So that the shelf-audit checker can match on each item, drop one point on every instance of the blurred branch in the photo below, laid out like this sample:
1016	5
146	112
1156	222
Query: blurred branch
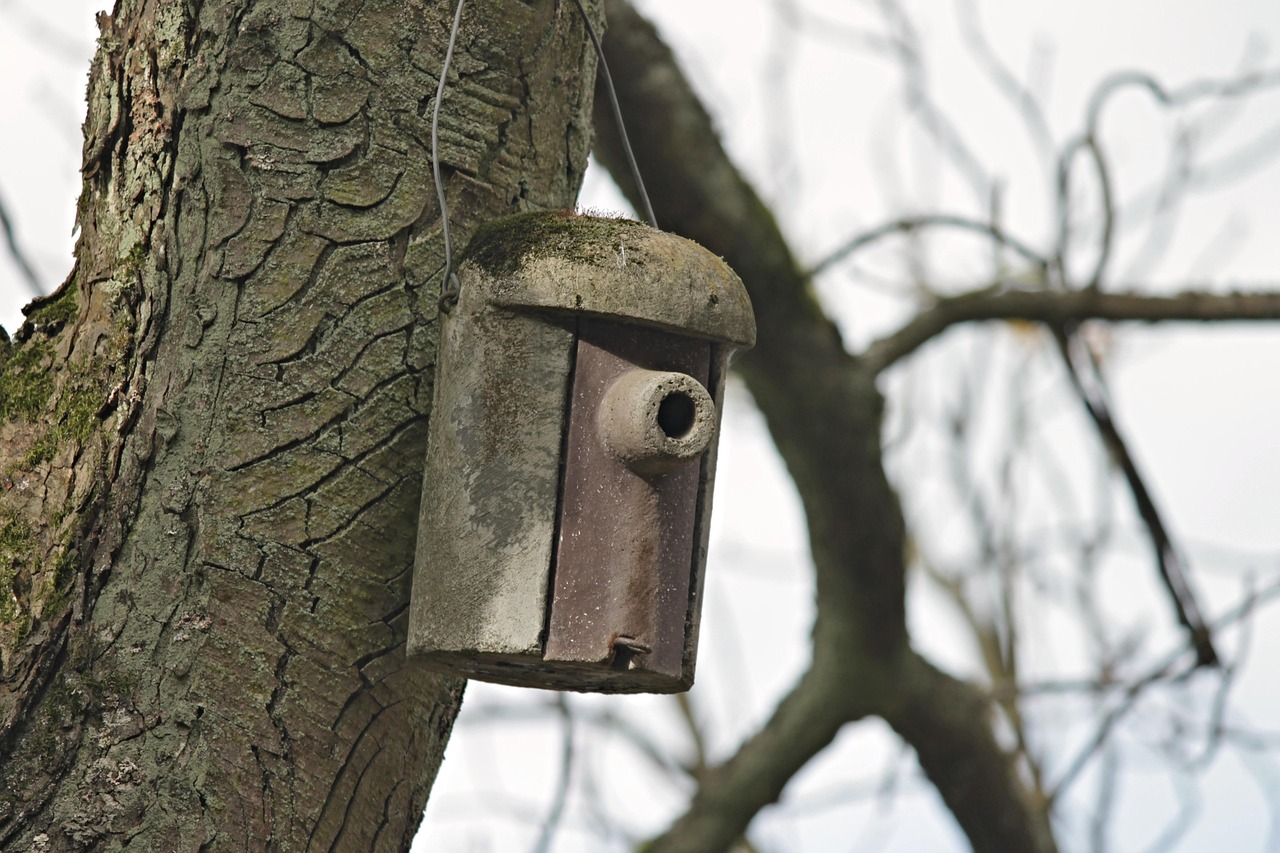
1055	308
1180	823
803	724
1090	146
1131	693
1247	607
1168	558
1018	95
1180	177
552	822
919	100
698	768
19	257
1104	800
599	718
799	17
1169	668
911	224
824	412
1243	84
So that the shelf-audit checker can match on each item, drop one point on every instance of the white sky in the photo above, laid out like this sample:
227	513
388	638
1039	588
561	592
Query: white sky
1202	406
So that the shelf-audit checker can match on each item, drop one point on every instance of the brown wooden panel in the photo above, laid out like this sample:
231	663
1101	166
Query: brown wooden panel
627	545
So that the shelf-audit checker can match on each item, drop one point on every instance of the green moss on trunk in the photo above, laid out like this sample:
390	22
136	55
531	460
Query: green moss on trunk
26	381
501	246
17	549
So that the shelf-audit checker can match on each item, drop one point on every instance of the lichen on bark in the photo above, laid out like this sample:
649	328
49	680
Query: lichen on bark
216	449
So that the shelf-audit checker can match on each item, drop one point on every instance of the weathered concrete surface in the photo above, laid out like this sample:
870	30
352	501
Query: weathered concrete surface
654	421
524	495
489	498
615	268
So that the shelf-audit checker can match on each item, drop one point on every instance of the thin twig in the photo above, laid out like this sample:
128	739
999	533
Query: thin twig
1242	611
818	25
19	257
1105	801
1230	674
1018	95
910	224
1195	304
552	823
1132	692
698	768
1196	90
1166	669
1107	239
920	102
1183	819
1169	560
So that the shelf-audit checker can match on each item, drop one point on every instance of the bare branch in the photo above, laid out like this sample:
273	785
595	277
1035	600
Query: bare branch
552	822
29	276
1230	87
1167	669
1247	608
1182	820
1169	560
824	411
1104	800
919	101
796	16
1107	208
910	224
1089	142
1132	692
947	722
803	725
1018	95
698	767
1056	308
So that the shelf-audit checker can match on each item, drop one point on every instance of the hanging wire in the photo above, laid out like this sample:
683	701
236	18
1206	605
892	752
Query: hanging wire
449	284
617	117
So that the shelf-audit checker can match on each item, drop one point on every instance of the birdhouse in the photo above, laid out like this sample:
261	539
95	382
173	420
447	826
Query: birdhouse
572	447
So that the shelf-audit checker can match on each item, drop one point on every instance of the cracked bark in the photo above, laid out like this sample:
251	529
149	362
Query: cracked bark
211	439
823	410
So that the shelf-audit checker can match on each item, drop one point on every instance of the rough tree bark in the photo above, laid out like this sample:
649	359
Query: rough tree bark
211	438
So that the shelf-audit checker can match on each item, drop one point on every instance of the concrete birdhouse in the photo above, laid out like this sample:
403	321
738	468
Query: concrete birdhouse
572	447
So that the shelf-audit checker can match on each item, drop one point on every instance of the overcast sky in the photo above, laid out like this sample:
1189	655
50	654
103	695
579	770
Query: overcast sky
815	118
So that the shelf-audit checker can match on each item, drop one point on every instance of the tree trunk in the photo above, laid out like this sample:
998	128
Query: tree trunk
211	438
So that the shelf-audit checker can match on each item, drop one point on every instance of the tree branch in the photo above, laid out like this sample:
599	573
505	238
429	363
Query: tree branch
913	223
28	272
824	413
1056	308
1168	558
803	724
948	722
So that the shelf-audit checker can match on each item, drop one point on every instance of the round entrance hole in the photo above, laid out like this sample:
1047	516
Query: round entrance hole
676	413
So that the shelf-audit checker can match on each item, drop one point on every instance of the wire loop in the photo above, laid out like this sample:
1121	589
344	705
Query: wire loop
450	287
